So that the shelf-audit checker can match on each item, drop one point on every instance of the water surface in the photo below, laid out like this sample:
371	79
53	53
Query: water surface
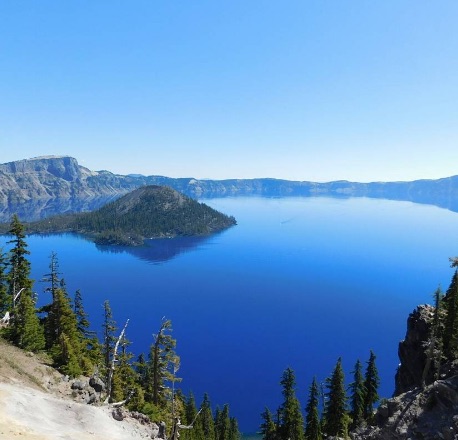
298	282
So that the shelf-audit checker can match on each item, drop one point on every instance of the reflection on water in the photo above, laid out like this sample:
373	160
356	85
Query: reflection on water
38	209
159	250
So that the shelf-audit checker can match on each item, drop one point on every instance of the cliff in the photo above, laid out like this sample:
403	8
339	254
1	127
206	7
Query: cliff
51	177
417	412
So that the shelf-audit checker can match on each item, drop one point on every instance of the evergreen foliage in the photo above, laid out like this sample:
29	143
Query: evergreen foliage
371	384
312	420
450	335
357	396
109	339
222	424
336	421
234	432
205	421
190	415
291	421
25	331
66	349
163	363
147	212
268	426
6	302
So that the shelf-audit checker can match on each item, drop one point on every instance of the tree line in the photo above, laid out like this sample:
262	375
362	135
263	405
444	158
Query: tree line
333	412
61	330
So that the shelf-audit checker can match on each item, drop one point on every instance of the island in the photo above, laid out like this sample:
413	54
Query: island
147	212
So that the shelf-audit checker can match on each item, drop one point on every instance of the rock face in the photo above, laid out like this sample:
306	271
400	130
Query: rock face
412	352
424	413
51	177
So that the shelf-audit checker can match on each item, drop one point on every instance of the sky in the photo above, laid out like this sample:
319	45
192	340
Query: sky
362	90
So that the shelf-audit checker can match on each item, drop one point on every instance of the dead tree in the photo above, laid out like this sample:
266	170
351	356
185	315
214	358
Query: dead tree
113	362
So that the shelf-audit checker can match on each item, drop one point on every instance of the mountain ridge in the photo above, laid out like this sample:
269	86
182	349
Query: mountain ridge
61	177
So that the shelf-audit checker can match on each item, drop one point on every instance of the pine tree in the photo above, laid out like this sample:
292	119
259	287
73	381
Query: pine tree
109	339
163	363
450	335
268	426
190	415
66	349
222	423
291	420
357	394
371	384
234	432
335	412
205	421
25	331
312	420
81	317
50	320
125	380
6	302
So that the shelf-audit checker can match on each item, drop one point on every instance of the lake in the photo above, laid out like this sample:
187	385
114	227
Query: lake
298	282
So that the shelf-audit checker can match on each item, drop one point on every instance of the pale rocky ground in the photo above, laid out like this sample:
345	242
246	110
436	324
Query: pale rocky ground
36	404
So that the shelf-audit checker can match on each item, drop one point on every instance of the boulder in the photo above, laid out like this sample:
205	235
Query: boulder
97	384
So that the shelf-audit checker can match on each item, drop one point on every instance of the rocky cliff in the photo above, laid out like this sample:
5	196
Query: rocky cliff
51	177
417	412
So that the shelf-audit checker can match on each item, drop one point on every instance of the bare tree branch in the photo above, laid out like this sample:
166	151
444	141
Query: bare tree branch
113	361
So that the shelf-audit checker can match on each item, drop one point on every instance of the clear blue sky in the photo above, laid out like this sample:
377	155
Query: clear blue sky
306	90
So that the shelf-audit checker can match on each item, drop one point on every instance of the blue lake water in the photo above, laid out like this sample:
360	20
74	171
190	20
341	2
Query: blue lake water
298	282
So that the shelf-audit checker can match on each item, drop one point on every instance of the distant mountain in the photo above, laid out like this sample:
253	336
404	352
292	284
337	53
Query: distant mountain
146	212
50	178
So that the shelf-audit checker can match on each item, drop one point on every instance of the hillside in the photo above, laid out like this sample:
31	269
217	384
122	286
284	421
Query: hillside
147	212
36	403
48	178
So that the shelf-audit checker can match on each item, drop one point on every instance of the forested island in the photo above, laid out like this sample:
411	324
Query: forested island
147	212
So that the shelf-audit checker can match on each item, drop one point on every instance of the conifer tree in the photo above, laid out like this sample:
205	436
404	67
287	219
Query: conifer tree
66	349
335	412
6	302
234	432
291	420
434	343
125	384
50	320
222	423
163	363
371	384
268	426
205	419
90	345
82	321
25	331
450	335
357	395
109	339
312	420
190	414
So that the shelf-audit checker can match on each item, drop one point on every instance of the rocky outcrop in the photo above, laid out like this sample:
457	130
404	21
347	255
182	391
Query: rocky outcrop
417	412
431	413
412	350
